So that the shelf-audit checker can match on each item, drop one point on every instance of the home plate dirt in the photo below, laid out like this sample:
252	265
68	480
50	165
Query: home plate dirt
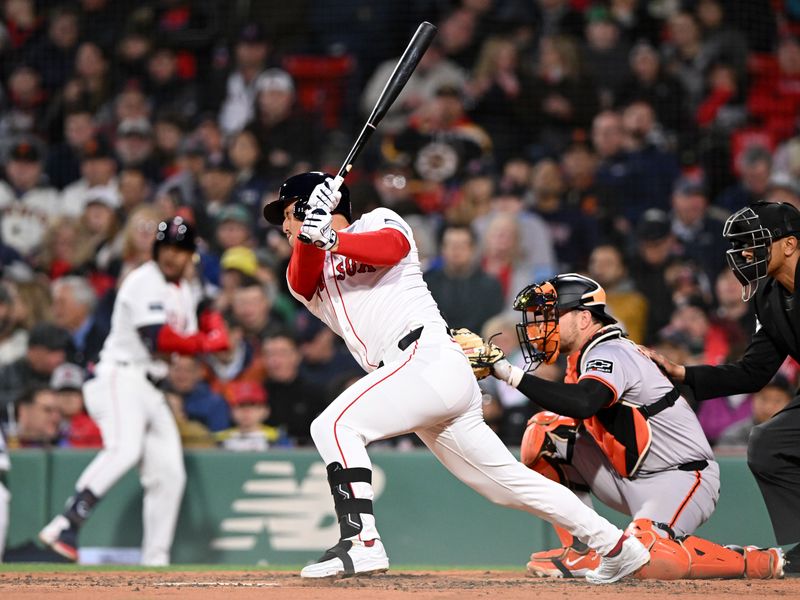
455	585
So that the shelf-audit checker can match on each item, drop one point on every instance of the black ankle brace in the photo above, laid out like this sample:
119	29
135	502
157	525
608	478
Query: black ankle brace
348	508
80	506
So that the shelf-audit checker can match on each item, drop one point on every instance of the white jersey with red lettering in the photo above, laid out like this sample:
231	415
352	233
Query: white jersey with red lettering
371	307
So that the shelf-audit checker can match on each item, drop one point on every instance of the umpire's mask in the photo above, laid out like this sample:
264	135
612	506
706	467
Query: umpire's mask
752	230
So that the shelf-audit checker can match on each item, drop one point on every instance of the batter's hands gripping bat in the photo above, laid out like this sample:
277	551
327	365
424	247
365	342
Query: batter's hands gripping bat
397	81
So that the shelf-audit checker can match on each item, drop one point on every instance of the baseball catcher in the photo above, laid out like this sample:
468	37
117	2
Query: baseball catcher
620	429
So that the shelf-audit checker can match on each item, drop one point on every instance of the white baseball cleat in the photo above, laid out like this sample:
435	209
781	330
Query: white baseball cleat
349	558
61	537
630	559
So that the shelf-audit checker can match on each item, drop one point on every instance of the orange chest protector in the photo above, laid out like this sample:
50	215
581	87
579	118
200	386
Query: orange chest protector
621	430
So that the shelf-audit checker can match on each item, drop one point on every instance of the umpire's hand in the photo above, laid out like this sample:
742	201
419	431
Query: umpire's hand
674	371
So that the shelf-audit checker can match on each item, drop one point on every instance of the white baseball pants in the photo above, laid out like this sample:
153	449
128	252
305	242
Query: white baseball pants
138	430
429	389
5	501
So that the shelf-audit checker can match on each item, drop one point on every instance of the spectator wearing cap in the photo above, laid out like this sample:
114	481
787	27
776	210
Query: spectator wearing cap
78	430
54	56
48	345
290	139
653	252
13	337
239	268
135	149
245	154
234	227
755	165
324	357
27	204
460	276
74	304
63	164
648	81
37	418
783	188
184	185
627	304
100	224
200	403
294	400
165	89
236	92
764	404
697	231
98	169
249	410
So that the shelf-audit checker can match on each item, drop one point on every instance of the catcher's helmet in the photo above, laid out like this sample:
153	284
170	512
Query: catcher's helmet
176	232
753	229
542	304
297	189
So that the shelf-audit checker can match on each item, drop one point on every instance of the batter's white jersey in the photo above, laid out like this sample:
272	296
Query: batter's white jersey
5	463
371	307
147	298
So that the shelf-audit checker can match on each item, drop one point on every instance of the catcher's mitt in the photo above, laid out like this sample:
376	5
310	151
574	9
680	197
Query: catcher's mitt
480	353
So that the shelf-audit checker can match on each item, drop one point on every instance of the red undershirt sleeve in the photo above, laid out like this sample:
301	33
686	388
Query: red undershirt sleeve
305	269
383	248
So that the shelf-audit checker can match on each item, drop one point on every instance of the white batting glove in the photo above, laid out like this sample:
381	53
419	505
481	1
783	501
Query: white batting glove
317	228
323	196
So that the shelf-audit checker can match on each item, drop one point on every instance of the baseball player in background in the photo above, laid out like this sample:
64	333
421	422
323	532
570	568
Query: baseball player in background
5	495
363	279
155	313
621	430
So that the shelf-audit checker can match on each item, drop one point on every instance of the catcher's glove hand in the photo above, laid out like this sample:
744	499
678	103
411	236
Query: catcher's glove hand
480	353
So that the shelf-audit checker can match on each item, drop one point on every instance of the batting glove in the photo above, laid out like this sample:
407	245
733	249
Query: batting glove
317	228
323	196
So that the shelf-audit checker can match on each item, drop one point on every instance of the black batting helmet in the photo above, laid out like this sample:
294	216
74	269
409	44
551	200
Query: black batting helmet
297	189
176	232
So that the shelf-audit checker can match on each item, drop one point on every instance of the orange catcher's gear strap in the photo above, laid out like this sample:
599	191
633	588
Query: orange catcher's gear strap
624	436
539	439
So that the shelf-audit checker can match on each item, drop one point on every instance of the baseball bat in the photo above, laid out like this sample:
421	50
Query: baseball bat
394	85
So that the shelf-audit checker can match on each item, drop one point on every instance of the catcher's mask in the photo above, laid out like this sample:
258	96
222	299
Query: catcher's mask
751	232
542	305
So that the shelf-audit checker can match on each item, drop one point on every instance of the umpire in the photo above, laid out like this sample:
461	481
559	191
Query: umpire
765	257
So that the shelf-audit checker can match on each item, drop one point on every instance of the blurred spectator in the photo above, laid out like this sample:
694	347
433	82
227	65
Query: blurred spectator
63	160
78	430
168	129
234	227
707	342
239	267
252	311
722	110
216	183
184	185
733	312
649	82
251	53
684	55
21	30
722	44
294	400
137	239
26	104
74	302
696	229
134	148
250	187
47	348
13	337
290	140
502	255
90	81
559	99
557	17
765	404
199	403
456	36
27	203
652	254
38	418
100	225
625	302
249	409
132	49
324	356
54	56
755	164
193	433
433	72
63	250
101	21
774	96
783	188
460	277
98	169
165	89
605	51
636	19
134	190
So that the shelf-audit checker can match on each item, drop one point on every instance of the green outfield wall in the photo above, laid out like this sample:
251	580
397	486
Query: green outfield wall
275	508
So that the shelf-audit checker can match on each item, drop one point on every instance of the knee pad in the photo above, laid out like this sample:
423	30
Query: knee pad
540	437
668	558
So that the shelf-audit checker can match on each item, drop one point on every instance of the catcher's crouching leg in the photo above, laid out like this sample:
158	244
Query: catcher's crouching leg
692	557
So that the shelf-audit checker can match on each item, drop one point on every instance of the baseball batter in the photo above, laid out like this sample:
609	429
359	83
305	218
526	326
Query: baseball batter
154	313
5	496
622	432
363	279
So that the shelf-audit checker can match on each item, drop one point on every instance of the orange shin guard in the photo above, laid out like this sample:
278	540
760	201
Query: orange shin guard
668	559
712	561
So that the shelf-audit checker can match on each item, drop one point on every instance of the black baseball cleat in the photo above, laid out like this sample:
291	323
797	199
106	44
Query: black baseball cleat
61	537
791	567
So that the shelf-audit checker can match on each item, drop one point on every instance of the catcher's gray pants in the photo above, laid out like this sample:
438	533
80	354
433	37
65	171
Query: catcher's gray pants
429	389
684	500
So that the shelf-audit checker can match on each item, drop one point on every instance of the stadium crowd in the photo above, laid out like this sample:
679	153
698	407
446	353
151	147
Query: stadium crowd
536	137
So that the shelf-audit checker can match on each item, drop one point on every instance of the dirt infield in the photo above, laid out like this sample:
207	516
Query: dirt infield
455	585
